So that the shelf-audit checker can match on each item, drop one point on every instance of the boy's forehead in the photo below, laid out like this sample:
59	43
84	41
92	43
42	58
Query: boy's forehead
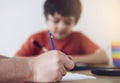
58	15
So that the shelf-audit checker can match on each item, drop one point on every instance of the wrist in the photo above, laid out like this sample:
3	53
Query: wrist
30	68
23	69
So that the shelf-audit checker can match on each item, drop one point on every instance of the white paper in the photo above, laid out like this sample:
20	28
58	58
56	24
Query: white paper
76	76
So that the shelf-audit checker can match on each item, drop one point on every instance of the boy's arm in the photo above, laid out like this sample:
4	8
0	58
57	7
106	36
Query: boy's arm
99	57
92	54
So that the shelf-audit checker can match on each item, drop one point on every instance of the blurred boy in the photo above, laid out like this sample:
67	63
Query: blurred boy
61	17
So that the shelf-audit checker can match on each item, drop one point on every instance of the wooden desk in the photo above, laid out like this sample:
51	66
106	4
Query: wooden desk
99	79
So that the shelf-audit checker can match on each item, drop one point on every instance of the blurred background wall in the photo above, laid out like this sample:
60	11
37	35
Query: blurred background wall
19	19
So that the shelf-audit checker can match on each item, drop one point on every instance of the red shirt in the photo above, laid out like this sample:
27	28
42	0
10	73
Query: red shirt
75	44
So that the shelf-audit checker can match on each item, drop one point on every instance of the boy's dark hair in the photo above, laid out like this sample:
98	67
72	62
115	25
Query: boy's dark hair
63	7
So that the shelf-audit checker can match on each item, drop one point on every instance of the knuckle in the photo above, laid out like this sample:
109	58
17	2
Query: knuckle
57	69
58	61
57	77
57	52
65	72
71	66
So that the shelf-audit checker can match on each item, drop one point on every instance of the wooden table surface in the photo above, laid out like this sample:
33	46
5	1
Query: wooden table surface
99	79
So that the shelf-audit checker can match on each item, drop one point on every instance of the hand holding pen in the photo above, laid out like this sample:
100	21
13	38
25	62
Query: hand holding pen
51	43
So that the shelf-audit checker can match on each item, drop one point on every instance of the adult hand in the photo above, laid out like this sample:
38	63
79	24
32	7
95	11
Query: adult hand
50	66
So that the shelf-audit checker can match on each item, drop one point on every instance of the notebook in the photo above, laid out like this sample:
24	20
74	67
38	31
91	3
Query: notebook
76	77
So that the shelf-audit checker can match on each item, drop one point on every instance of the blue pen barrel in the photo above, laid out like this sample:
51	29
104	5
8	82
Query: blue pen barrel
51	41
52	44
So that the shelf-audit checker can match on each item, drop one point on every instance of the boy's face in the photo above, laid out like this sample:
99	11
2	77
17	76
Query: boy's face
60	26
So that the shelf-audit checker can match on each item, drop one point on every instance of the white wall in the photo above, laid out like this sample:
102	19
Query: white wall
100	20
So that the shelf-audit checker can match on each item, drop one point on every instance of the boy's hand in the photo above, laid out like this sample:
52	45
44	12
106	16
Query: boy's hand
50	66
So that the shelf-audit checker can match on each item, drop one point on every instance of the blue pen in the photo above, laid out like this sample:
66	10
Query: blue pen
52	45
51	41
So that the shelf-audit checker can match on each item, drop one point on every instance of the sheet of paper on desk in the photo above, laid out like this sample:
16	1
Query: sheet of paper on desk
75	77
